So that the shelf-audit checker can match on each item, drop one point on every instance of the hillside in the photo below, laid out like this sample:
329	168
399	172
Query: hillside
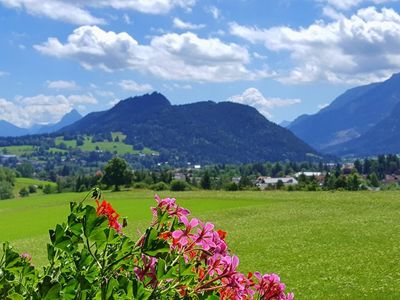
206	132
350	115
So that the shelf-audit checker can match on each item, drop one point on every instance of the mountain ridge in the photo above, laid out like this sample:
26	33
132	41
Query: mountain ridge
212	132
350	115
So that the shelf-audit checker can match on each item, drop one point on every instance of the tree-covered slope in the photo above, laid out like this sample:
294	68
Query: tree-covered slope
206	132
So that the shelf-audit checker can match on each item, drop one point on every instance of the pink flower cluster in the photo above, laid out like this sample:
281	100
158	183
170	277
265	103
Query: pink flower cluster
217	270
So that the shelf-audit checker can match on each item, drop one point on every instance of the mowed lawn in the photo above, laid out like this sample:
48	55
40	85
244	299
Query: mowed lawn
343	245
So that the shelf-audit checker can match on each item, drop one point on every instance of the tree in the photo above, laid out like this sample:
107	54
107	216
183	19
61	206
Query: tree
205	182
6	190
115	173
25	169
178	185
353	183
373	179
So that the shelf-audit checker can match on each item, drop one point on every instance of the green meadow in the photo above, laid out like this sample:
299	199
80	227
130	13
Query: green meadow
342	245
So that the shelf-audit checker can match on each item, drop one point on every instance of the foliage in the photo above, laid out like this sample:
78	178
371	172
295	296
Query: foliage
116	173
6	190
24	192
179	185
90	258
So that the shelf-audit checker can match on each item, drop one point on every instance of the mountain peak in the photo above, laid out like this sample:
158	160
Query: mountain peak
153	100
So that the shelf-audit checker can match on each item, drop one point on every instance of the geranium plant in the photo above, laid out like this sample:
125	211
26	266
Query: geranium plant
176	258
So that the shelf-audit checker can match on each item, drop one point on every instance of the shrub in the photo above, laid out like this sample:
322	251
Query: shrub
49	189
179	185
176	257
231	186
24	192
160	186
140	185
32	189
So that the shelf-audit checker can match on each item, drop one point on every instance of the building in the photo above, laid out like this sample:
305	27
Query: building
308	174
265	182
179	176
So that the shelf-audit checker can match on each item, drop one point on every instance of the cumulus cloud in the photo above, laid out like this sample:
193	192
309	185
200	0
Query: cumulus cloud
76	12
255	98
40	109
348	4
66	11
61	85
355	50
170	56
178	23
133	86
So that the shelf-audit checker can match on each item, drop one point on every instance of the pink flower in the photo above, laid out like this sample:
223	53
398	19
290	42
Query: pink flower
236	286
26	256
148	270
270	287
183	236
169	205
204	236
214	265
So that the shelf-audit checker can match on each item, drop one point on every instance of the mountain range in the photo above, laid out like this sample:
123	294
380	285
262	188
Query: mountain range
206	132
9	129
362	121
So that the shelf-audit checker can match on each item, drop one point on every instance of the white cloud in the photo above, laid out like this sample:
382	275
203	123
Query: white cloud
133	86
170	56
66	11
323	105
214	11
348	4
255	98
40	109
62	85
76	12
3	73
354	50
127	19
145	6
178	23
105	94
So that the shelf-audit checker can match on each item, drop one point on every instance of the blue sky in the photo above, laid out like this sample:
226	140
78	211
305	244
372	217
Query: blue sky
285	57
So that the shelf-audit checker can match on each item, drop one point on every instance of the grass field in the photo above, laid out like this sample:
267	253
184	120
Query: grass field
343	245
119	147
26	182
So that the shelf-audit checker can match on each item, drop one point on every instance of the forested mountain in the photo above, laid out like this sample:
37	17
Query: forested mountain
206	132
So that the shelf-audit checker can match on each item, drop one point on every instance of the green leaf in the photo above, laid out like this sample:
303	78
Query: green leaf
50	290
16	296
153	245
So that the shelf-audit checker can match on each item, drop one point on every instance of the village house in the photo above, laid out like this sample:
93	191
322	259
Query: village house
236	179
265	182
391	179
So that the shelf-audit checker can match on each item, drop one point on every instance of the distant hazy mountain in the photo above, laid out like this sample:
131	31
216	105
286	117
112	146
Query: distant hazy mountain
284	123
68	119
383	138
8	129
351	115
205	132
